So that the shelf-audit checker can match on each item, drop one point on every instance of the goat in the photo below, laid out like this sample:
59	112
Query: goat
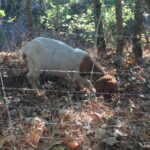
62	60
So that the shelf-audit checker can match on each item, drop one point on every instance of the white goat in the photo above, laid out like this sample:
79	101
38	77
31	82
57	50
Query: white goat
60	59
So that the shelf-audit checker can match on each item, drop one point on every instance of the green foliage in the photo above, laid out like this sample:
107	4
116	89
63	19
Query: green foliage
2	13
77	21
70	17
54	16
62	2
76	18
127	14
79	24
109	2
110	17
109	20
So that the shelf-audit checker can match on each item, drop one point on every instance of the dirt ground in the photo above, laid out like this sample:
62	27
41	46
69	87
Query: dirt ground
60	117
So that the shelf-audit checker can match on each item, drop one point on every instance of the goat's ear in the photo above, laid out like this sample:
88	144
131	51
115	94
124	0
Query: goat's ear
106	85
106	77
99	86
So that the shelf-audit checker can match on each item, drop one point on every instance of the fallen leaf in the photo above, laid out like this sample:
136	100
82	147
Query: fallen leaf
144	135
96	116
72	144
96	105
35	132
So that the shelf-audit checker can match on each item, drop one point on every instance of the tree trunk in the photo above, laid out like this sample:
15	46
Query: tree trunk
138	16
30	18
57	25
119	21
100	41
3	6
148	4
42	7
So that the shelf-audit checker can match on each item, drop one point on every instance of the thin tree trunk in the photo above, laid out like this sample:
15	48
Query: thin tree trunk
146	38
30	18
148	4
137	49
100	41
119	22
42	6
57	18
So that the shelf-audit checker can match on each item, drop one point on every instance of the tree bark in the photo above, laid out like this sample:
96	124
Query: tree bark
42	7
30	18
138	16
100	41
148	4
119	21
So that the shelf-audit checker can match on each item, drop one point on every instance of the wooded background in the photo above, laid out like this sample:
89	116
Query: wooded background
101	23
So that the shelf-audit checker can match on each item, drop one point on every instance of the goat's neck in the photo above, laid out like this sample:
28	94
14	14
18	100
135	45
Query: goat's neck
89	68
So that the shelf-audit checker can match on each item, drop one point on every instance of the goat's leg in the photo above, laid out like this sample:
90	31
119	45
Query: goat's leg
33	78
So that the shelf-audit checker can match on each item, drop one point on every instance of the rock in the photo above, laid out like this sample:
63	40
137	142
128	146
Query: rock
146	73
110	141
100	133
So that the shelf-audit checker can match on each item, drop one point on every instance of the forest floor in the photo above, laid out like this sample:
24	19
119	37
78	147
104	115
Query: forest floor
59	117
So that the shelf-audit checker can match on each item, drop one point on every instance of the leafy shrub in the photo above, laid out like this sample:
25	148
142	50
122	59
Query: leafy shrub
66	18
77	19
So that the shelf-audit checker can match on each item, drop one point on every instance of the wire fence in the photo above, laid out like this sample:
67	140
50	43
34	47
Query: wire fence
6	95
67	92
9	115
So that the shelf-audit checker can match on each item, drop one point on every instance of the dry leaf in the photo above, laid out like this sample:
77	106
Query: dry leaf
108	114
72	144
96	105
96	116
35	132
144	135
131	60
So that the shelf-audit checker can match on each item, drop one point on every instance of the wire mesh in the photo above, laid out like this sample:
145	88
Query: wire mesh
23	114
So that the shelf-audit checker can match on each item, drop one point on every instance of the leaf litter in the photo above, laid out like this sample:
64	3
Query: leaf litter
58	119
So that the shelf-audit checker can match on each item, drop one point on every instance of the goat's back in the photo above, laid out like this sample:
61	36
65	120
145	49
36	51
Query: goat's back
53	55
